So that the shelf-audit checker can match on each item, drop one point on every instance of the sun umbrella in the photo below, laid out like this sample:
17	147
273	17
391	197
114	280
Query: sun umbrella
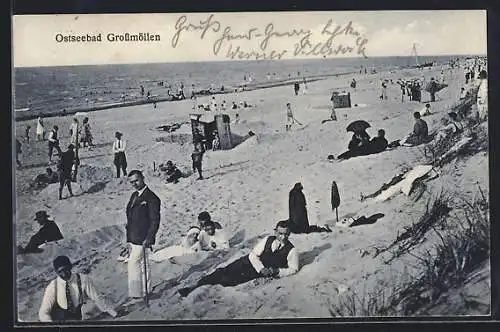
358	125
436	87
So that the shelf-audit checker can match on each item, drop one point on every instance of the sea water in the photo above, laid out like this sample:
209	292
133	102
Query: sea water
50	89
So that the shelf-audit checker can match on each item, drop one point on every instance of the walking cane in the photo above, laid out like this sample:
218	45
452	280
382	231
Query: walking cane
146	298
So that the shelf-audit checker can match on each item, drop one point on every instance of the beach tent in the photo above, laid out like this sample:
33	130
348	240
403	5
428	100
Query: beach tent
207	125
341	100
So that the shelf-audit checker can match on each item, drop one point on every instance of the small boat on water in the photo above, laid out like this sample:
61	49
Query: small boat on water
417	64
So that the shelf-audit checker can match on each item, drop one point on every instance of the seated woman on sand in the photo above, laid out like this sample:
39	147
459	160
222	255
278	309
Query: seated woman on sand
359	141
203	217
420	132
189	245
210	239
375	145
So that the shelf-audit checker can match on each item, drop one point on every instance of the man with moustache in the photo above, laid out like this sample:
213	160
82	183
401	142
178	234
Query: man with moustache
64	296
273	257
143	221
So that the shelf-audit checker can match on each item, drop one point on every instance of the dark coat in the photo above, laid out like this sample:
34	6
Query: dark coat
66	162
358	140
298	221
47	233
143	217
377	144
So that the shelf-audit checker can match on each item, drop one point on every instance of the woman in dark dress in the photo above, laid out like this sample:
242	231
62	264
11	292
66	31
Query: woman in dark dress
298	221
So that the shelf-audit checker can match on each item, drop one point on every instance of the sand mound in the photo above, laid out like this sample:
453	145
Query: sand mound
90	176
78	249
52	190
247	144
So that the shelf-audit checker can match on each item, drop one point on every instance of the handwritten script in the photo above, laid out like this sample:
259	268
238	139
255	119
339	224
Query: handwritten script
332	40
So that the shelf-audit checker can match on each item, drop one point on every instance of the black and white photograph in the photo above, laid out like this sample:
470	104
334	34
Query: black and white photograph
250	165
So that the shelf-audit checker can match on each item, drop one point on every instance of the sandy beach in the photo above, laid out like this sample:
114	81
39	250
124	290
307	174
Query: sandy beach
246	190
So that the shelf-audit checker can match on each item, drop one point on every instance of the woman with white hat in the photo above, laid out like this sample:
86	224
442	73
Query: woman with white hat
188	245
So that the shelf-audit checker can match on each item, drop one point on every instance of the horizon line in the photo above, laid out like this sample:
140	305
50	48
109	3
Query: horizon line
232	60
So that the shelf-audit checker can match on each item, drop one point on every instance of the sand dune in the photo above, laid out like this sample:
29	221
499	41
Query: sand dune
246	190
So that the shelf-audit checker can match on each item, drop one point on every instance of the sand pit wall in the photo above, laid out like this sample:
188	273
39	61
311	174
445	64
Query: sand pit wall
92	177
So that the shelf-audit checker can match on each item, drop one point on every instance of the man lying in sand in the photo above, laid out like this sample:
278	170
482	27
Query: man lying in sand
273	257
42	180
48	232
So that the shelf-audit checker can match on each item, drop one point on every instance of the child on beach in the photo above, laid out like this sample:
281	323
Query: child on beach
383	94
197	157
290	119
426	110
86	135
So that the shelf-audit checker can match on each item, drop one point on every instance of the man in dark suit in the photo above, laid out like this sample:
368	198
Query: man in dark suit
65	167
143	220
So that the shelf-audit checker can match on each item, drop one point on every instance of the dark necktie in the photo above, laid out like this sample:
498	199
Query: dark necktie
278	247
134	197
69	300
118	144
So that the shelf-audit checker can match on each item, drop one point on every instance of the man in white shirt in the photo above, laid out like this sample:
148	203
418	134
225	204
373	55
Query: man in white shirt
54	142
211	239
120	159
64	296
273	257
426	110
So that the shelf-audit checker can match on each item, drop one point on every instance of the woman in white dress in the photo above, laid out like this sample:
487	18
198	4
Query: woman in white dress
40	130
189	245
74	131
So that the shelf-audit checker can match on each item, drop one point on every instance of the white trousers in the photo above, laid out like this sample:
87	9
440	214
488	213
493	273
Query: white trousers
482	110
136	266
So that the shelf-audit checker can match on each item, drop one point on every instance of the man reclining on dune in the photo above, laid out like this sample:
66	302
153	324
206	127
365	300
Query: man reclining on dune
273	257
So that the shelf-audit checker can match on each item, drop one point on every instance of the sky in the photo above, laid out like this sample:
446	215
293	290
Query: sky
373	33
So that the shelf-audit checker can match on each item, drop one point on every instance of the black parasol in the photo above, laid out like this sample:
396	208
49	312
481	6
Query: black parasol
358	125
